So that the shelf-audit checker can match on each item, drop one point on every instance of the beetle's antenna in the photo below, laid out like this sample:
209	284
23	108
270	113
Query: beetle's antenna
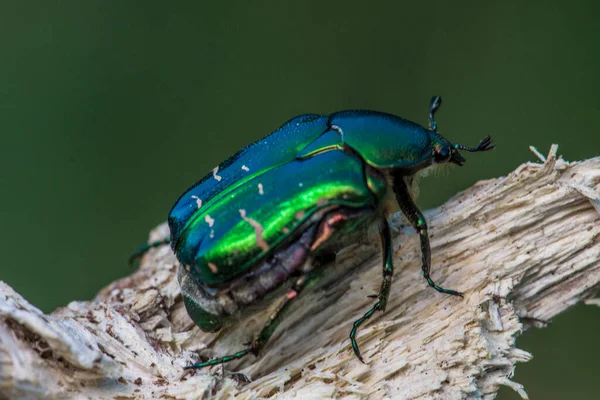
434	104
485	145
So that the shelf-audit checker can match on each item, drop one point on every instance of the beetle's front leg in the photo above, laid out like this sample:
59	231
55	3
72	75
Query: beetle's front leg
416	218
382	298
263	337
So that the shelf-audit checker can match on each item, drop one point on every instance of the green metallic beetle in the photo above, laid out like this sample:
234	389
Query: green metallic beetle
265	216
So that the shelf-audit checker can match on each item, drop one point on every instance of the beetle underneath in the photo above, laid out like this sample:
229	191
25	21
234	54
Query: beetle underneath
263	218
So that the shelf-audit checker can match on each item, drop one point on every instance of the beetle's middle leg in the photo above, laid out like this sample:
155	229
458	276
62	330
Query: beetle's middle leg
416	218
382	298
265	334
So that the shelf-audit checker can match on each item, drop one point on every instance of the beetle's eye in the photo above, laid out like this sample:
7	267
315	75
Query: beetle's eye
441	154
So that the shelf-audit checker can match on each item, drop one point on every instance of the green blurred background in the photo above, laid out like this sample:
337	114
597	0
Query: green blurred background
109	110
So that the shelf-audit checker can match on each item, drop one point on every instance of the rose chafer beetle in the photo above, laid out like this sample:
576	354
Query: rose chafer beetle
265	216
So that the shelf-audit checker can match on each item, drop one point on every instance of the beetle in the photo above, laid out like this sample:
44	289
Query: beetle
263	218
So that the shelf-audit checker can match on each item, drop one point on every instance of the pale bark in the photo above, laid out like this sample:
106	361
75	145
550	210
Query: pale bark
523	248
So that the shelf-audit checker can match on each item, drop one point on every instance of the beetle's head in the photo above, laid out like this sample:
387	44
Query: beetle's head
443	150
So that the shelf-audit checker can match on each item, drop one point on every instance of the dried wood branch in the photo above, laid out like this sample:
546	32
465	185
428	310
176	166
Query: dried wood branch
523	248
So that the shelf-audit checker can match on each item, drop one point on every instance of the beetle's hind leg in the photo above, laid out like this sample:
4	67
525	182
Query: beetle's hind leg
144	248
263	337
417	220
382	298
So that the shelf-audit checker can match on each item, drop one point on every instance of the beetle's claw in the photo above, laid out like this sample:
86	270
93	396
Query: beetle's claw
354	344
454	293
358	355
137	255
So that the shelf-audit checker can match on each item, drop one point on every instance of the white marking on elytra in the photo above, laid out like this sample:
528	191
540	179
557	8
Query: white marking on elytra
215	170
340	131
198	201
245	168
210	221
212	233
301	184
258	230
260	189
213	268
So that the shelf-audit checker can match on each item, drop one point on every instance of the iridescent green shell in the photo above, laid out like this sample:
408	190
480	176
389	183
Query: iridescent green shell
264	196
224	239
260	196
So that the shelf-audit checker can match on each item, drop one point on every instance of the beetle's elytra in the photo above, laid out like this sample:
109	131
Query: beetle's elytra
261	219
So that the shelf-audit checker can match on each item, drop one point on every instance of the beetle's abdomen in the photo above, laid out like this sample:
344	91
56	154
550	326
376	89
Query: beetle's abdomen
223	240
209	307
